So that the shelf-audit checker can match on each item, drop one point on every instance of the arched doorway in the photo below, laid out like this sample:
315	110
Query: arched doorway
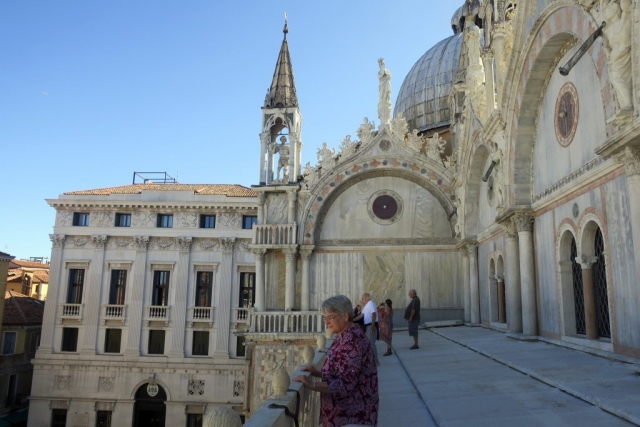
600	288
578	290
150	409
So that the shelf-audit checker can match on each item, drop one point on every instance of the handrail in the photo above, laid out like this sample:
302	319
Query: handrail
287	322
275	234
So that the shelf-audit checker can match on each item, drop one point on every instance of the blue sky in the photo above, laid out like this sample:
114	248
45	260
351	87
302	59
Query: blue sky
92	91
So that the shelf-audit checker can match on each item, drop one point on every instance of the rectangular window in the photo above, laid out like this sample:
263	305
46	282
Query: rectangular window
165	221
247	289
194	420
123	220
117	287
76	281
35	342
156	341
69	339
103	419
81	219
160	295
9	342
200	345
207	221
203	288
112	338
248	221
58	418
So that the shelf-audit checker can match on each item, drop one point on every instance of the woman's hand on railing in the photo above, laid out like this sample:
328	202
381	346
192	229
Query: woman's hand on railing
312	369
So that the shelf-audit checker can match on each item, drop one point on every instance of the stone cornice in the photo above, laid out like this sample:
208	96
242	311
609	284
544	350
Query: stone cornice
62	204
627	137
399	241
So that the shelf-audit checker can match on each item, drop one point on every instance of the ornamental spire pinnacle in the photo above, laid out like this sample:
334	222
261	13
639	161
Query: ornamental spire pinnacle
282	92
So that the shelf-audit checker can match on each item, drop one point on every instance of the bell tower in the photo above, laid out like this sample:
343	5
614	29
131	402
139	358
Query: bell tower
280	138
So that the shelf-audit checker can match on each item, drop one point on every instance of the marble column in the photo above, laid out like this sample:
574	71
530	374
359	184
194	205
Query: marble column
264	137
524	225
474	283
260	302
466	283
498	35
589	293
631	159
512	277
92	296
293	155
135	302
261	199
290	278
291	211
53	295
487	61
502	315
305	291
223	309
179	309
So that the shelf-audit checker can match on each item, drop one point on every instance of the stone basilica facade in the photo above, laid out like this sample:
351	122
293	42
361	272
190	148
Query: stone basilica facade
504	188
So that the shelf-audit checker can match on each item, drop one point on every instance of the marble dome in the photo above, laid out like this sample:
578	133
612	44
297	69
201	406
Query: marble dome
423	99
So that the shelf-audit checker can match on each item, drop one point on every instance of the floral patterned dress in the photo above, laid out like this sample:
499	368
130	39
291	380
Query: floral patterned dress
385	314
351	373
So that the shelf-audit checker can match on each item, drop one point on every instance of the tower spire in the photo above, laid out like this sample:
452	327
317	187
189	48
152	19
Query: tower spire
282	92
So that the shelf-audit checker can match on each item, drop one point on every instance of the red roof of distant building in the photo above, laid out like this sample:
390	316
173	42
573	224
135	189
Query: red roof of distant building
21	310
15	263
229	190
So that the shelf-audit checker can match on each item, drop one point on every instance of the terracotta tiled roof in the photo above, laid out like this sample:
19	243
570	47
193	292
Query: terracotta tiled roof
15	263
229	190
40	276
15	275
5	256
21	310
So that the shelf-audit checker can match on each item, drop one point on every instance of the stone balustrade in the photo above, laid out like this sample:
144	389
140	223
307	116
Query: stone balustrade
158	313
200	314
242	315
114	312
71	311
275	234
287	322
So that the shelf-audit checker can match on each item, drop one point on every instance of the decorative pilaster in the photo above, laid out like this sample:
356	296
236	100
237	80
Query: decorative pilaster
259	303
487	61
179	309
474	283
524	225
223	310
136	295
91	297
290	278
53	294
466	283
261	200
631	160
305	292
512	277
291	212
589	292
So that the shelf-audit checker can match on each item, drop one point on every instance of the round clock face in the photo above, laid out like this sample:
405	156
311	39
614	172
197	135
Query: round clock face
566	114
385	207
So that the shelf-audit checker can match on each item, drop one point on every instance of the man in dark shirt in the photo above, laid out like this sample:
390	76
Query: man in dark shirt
412	315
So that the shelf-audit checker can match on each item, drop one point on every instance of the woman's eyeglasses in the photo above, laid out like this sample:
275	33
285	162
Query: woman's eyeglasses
329	318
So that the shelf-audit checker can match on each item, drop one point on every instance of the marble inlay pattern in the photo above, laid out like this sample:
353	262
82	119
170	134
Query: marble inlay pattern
384	276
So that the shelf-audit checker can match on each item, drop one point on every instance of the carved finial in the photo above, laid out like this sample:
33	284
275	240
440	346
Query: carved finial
222	416
280	381
307	355
285	30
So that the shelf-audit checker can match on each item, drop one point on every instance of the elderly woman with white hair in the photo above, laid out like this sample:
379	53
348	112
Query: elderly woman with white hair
348	383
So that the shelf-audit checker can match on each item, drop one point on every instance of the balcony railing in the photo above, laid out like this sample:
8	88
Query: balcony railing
200	314
242	315
114	312
158	313
71	312
275	234
287	322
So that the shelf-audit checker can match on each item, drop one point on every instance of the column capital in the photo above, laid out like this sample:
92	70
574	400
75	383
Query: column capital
499	279
464	250
57	240
472	248
523	222
509	228
631	160
141	242
499	30
487	53
99	241
290	253
305	254
227	244
259	253
184	242
586	262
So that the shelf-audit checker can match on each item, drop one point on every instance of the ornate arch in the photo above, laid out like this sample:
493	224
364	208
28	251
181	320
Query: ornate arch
146	381
557	27
478	156
325	194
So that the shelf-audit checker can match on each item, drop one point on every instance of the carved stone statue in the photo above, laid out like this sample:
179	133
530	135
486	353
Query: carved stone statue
347	148
617	34
414	141
451	162
310	174
459	210
384	104
365	131
283	162
498	181
325	157
399	126
435	146
475	72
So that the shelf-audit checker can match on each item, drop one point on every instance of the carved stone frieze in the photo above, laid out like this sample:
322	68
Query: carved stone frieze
99	241
187	219
57	240
106	383
102	219
523	222
64	218
77	242
184	243
209	244
119	242
144	219
569	178
229	221
243	245
163	243
227	244
400	241
141	242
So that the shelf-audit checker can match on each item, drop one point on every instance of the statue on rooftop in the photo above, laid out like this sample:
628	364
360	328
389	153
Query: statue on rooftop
384	104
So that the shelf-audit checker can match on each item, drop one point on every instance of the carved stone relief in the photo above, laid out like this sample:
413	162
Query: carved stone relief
77	242
106	383
184	243
119	242
64	218
196	387
238	388
365	132
163	243
62	382
229	221
347	148
143	219
57	240
187	220
208	244
102	219
99	242
141	242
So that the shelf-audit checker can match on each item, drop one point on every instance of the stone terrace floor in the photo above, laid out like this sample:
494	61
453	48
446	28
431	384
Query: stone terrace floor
473	376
